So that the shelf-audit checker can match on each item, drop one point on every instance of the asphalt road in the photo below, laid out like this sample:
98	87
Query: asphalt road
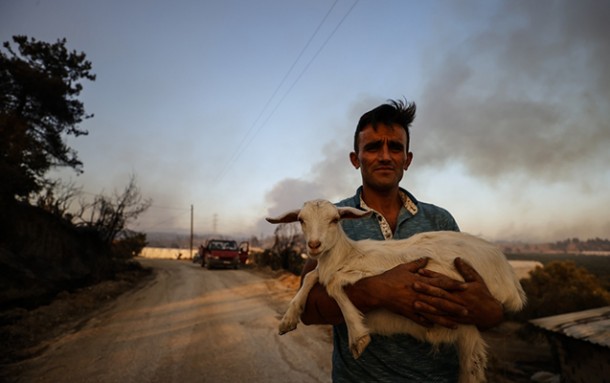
189	325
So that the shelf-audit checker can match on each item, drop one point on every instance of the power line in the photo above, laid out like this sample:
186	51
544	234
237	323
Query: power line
241	147
302	72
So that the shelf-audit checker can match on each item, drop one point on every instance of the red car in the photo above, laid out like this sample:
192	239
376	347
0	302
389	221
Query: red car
222	253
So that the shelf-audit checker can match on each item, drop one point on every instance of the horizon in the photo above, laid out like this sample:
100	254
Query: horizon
246	237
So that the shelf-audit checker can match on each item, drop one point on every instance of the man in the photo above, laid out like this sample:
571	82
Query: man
381	153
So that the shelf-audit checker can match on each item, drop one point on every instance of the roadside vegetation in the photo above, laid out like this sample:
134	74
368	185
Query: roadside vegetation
53	238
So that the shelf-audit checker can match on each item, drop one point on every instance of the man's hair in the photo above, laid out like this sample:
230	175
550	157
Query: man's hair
394	112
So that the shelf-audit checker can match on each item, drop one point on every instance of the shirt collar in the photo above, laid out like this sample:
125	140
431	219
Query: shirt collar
386	230
407	202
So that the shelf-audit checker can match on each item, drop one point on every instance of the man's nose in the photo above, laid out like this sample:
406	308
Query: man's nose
384	153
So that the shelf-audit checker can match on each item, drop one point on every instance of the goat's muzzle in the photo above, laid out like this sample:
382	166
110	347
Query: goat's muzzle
314	245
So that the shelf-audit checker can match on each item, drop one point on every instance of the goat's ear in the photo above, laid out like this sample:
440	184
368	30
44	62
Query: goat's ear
290	216
350	212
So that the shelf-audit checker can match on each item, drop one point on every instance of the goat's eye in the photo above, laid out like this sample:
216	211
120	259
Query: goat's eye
301	221
334	220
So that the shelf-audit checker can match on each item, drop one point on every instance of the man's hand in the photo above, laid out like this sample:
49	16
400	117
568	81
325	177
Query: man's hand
439	295
395	291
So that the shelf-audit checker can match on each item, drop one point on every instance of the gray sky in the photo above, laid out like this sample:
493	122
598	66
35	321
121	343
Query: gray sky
247	108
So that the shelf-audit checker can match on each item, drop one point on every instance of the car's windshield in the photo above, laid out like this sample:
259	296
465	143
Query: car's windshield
223	245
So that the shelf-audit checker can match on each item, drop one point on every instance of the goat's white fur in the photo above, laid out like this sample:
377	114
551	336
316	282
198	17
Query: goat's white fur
342	261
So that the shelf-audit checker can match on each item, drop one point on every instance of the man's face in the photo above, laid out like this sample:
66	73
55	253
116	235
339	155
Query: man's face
382	156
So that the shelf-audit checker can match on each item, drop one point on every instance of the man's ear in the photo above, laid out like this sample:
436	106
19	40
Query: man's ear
408	160
353	158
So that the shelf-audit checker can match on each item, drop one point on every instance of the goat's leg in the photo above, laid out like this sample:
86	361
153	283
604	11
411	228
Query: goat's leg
357	332
297	304
473	355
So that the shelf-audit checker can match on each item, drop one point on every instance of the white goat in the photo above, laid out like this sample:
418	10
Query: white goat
342	261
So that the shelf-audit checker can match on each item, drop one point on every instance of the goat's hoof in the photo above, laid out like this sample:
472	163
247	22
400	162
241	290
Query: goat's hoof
358	347
286	327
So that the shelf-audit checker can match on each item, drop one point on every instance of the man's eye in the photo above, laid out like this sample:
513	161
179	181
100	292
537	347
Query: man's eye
396	147
372	147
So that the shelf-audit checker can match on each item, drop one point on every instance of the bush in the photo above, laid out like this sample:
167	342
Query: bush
268	258
289	260
129	245
561	287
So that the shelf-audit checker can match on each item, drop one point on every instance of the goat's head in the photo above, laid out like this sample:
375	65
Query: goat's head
320	223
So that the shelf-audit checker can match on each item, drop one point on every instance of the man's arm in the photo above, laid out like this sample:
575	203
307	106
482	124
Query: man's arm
392	290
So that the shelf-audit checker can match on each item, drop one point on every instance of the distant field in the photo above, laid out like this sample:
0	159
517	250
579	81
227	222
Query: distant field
598	265
523	268
166	253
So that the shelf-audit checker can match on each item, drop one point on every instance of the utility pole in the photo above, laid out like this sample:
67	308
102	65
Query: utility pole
191	248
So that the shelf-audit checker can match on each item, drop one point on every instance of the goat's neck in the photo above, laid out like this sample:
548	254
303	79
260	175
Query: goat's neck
335	258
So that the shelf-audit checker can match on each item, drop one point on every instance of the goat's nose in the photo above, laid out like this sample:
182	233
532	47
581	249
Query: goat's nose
314	244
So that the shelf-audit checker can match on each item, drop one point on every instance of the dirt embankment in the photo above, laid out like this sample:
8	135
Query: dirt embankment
25	332
42	254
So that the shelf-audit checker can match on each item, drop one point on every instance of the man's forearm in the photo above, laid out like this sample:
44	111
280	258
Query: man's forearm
323	309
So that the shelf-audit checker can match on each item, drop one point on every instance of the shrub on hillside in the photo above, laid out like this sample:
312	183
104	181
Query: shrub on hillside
561	287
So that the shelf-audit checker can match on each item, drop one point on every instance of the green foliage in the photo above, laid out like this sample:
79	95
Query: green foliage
39	85
561	287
